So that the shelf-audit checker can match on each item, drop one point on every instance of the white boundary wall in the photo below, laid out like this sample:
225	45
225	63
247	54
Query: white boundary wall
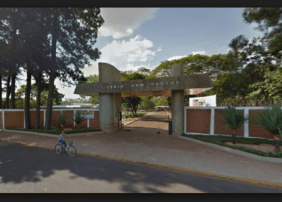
44	116
246	124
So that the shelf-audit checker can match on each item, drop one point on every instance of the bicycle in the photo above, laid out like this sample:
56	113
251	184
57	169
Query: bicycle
59	148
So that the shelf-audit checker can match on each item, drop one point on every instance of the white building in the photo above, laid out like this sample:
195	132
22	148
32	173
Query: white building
73	106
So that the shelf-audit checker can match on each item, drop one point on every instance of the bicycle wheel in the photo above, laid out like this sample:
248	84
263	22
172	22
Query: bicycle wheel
58	149
72	151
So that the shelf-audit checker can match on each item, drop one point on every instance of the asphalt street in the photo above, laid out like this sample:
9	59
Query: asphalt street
25	169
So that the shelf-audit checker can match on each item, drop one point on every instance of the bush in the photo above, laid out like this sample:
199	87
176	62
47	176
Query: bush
78	119
232	118
270	120
62	118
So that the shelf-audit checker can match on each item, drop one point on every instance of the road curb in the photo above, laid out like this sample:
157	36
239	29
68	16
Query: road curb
167	167
90	133
235	151
52	135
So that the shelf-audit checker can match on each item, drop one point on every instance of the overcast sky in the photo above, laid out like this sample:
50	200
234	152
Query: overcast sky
144	37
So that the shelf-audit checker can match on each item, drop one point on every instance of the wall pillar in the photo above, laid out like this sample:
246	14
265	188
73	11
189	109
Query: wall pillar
109	103
177	102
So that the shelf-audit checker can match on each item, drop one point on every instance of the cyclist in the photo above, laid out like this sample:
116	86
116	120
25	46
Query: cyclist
63	138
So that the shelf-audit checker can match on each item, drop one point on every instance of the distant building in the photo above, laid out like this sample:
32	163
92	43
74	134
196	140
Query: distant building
72	106
76	99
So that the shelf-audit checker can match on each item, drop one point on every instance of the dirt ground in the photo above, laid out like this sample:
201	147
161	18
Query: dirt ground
261	147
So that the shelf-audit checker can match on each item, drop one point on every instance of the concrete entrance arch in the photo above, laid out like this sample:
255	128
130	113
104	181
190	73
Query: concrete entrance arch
111	89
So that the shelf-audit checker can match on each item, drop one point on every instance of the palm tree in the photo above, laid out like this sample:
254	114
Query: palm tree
78	119
233	119
63	118
270	120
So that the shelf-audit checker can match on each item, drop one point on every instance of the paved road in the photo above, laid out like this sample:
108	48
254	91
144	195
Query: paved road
36	170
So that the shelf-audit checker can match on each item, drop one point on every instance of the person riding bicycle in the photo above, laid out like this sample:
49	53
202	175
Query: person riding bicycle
63	138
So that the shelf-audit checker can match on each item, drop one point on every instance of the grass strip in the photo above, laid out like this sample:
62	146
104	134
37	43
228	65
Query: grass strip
131	116
221	139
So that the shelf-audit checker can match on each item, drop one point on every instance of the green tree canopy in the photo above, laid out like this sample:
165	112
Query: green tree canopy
161	102
92	79
132	102
57	98
146	102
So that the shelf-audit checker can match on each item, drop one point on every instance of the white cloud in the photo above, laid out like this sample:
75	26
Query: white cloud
176	57
90	70
198	52
66	90
258	43
123	54
121	22
179	57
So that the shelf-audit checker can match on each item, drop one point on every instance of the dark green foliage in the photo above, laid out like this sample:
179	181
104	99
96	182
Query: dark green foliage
92	79
138	114
161	102
270	120
232	118
78	119
132	102
146	102
57	97
132	76
63	118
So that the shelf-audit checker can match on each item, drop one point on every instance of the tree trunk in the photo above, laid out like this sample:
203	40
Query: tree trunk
27	98
50	102
13	89
234	139
276	143
243	101
8	93
250	103
238	101
256	102
38	83
1	92
52	75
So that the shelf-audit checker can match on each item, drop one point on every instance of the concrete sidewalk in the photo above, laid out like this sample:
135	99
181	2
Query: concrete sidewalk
143	144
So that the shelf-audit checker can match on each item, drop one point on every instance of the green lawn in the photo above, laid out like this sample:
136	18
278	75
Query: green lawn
221	139
131	116
56	131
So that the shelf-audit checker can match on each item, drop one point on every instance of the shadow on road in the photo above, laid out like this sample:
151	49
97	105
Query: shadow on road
20	164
